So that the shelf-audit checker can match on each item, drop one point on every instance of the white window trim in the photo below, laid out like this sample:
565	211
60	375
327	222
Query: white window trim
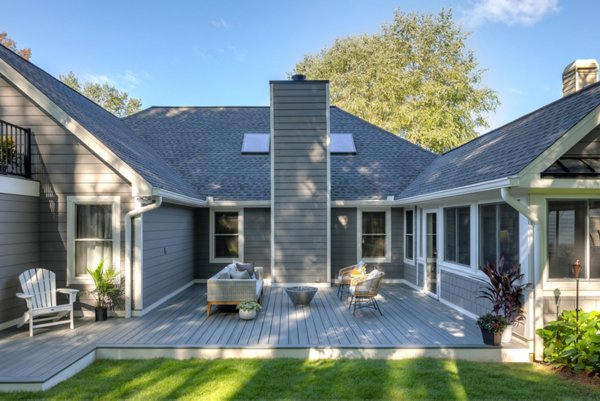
442	243
388	235
211	240
414	235
72	202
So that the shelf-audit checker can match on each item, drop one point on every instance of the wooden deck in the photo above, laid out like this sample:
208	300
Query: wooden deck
412	323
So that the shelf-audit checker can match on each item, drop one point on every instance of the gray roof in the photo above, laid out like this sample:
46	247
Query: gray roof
204	144
507	150
110	130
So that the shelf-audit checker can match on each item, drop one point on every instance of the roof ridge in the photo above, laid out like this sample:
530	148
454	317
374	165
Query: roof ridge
560	99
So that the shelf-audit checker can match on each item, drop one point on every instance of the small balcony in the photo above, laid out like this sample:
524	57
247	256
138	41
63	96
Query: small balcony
15	150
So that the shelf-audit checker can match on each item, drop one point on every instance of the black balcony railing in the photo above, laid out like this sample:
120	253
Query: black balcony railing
15	150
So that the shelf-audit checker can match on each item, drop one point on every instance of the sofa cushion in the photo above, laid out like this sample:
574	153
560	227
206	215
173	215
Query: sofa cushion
240	275
249	267
223	276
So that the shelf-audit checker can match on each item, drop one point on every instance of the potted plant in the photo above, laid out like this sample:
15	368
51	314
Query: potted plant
505	291
492	326
248	309
107	289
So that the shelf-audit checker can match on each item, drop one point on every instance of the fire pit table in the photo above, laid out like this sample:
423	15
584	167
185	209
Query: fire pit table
301	296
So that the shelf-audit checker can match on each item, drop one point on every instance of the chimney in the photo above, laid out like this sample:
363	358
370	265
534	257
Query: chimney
578	75
300	181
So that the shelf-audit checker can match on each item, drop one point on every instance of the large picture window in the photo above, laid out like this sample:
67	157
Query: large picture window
457	235
374	236
498	234
226	237
409	235
93	234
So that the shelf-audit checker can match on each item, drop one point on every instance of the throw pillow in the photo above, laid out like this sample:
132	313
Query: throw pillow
240	275
223	276
249	267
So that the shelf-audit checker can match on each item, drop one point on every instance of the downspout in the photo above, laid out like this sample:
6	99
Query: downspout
128	262
534	255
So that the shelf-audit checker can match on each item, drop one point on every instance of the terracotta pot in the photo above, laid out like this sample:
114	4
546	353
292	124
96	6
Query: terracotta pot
491	338
247	315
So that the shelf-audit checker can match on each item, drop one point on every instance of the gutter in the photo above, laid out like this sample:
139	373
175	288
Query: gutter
128	260
178	199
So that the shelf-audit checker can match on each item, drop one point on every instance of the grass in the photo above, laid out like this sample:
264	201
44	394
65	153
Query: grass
316	380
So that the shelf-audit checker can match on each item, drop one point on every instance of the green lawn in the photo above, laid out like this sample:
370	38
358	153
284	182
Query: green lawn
316	380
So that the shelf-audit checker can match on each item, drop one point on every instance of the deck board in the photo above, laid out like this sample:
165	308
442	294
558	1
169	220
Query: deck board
409	318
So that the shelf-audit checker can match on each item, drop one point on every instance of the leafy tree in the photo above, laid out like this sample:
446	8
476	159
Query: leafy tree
415	78
12	45
117	102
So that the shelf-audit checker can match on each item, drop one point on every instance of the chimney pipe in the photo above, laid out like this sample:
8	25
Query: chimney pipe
578	75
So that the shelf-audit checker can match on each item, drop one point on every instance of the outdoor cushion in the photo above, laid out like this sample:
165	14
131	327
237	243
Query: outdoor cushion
240	275
224	276
249	267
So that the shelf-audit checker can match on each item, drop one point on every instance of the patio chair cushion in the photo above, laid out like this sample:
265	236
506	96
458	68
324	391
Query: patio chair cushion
241	275
223	276
249	267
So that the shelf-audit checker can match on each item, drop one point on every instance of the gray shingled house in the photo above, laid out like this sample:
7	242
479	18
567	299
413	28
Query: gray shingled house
172	194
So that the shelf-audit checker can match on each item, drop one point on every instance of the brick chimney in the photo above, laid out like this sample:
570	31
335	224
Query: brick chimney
578	75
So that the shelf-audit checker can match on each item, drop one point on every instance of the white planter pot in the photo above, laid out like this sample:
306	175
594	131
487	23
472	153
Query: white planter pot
507	334
247	315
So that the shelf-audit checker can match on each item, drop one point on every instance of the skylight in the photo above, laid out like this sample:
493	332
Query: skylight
256	143
342	144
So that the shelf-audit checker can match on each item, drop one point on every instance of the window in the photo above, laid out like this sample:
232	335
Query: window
342	144
457	235
409	228
373	236
226	238
498	234
566	236
93	234
256	143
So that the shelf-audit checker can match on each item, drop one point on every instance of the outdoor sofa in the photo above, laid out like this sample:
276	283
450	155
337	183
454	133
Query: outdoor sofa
222	289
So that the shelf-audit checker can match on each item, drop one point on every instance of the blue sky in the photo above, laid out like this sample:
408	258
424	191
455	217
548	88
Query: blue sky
201	53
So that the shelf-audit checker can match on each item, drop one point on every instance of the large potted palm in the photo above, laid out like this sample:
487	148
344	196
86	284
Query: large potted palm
107	289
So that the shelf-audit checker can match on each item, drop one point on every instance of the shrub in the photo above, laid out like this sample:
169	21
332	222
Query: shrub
492	322
567	348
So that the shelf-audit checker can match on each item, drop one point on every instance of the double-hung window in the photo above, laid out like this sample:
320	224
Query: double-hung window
374	236
93	234
226	236
457	235
498	234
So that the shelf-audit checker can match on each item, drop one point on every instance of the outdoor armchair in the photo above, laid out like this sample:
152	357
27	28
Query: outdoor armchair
364	289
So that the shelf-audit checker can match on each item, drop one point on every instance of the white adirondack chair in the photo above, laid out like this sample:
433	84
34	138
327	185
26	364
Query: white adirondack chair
39	291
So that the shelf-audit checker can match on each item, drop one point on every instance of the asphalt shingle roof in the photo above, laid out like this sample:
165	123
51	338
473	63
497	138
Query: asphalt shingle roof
110	130
507	150
204	145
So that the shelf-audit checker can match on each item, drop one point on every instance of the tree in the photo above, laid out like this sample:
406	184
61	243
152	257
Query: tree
415	78
110	98
12	45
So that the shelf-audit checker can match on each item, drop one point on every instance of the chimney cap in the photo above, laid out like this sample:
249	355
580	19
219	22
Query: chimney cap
581	63
298	77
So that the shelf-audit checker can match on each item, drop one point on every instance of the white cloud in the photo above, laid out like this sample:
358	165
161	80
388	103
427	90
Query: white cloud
131	78
220	23
96	79
509	12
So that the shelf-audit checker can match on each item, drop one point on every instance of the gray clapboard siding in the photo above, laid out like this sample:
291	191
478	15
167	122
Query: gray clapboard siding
300	174
168	251
19	249
257	241
65	167
463	292
257	238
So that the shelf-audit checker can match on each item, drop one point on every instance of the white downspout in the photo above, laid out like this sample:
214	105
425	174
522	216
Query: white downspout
534	256
128	262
